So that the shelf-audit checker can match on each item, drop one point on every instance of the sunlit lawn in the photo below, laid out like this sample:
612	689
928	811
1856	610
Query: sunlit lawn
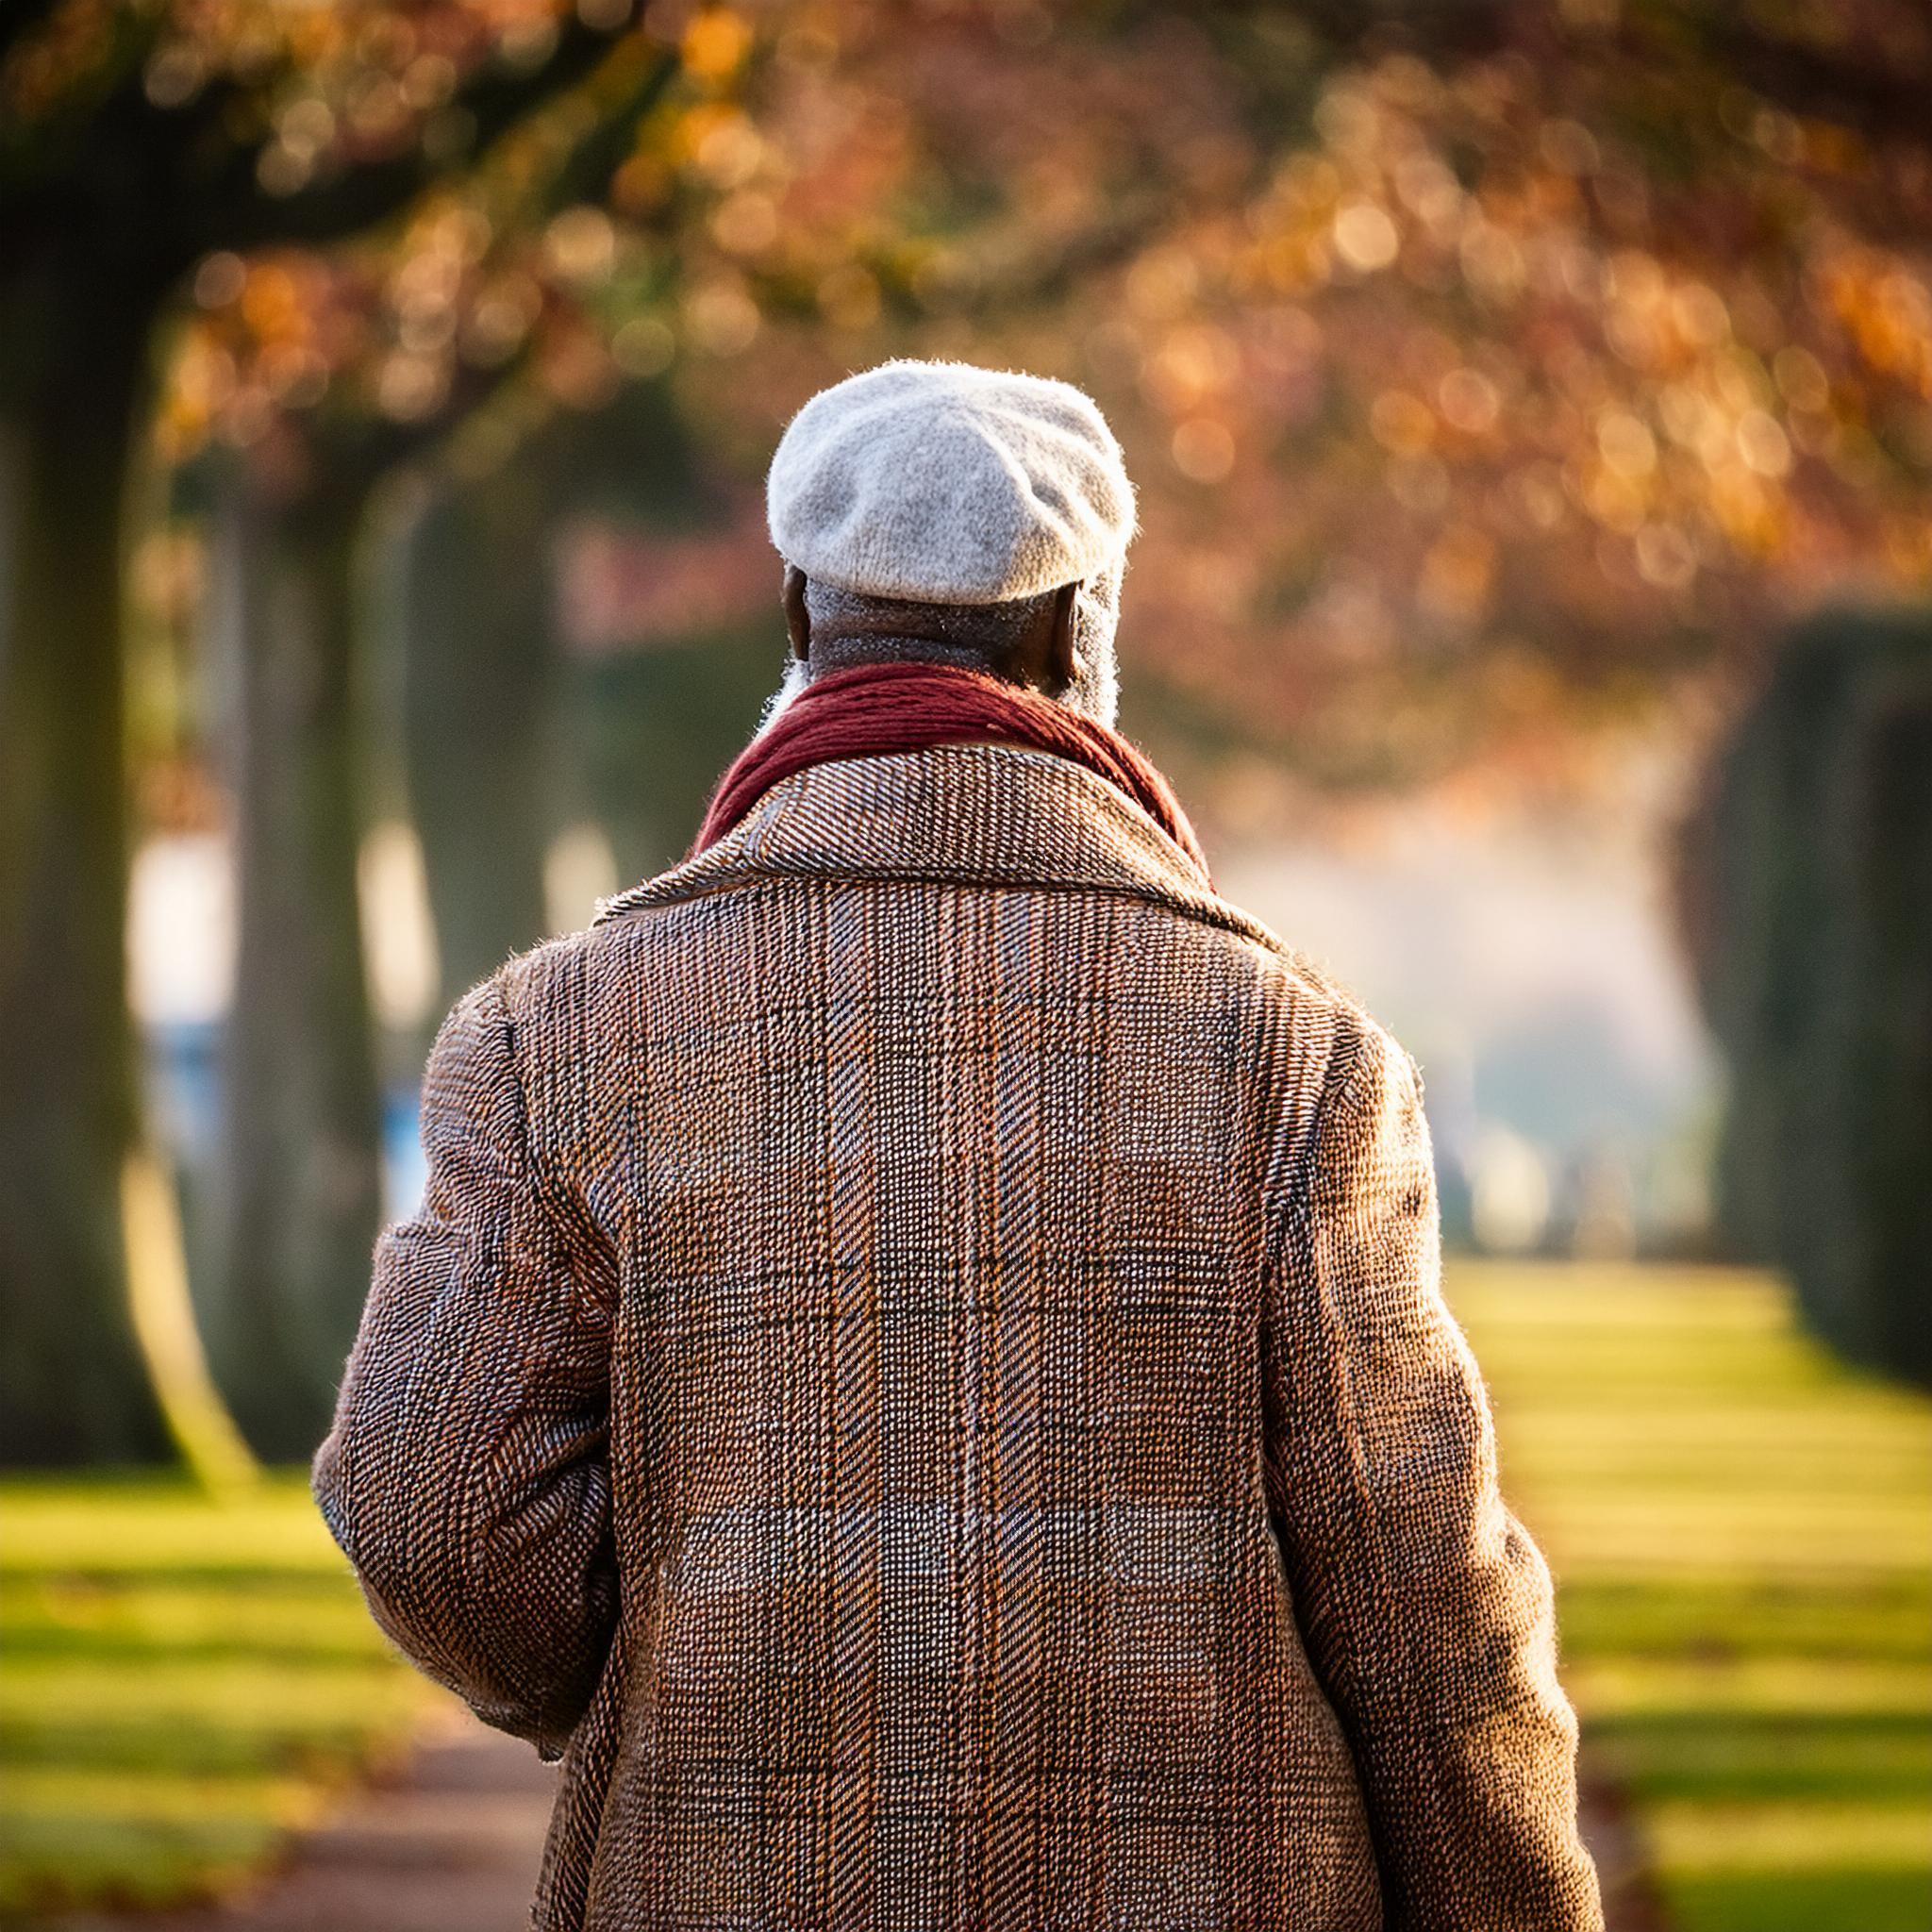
1743	1536
1742	1531
180	1682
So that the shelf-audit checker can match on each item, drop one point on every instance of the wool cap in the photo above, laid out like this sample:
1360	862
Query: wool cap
943	483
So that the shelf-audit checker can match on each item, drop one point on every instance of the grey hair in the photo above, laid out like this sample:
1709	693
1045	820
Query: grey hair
986	631
980	633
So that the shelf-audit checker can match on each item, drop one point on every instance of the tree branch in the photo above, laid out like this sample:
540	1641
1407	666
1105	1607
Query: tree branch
237	214
1887	103
587	175
1345	28
20	18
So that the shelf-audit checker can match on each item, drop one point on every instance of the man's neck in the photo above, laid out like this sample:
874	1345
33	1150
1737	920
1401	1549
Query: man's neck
849	651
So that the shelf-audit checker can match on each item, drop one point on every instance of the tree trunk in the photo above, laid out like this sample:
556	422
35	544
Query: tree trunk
299	1192
477	692
72	1387
654	729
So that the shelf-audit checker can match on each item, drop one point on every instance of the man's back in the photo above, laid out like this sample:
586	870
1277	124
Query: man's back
973	1436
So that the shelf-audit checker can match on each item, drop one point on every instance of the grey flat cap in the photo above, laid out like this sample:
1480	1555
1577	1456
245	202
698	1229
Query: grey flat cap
943	483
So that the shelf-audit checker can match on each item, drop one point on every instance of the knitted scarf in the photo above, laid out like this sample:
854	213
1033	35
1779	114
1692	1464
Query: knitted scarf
899	707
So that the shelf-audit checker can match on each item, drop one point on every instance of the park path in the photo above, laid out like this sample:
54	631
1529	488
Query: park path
451	1844
1630	1899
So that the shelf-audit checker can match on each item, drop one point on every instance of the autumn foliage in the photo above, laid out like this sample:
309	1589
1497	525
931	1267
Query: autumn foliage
1482	386
1500	378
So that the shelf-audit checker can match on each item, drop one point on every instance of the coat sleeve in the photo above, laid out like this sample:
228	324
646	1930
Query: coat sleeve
1426	1609
466	1474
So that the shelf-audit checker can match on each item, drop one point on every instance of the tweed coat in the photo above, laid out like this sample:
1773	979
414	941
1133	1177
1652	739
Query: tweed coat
920	1376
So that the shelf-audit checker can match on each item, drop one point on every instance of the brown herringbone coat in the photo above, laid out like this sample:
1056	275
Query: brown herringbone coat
921	1375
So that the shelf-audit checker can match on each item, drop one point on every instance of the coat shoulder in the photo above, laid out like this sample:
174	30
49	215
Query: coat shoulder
560	978
1297	977
531	984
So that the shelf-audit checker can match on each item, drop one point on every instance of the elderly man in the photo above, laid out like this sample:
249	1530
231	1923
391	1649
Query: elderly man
919	1376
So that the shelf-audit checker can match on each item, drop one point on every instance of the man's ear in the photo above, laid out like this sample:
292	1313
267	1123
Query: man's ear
797	618
1064	640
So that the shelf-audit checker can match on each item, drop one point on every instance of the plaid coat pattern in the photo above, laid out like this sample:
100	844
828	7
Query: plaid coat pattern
920	1379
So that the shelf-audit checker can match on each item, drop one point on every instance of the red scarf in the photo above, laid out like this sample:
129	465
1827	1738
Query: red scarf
908	706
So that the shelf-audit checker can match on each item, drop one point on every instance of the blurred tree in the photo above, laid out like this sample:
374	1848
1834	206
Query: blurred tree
71	1383
1808	890
655	727
478	673
297	1187
345	368
132	142
489	688
1493	372
1495	376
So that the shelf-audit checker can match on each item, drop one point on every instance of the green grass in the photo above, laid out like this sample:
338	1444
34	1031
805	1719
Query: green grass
1741	1532
181	1682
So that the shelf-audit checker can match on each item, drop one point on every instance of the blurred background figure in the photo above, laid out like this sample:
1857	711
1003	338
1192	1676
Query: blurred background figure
1533	411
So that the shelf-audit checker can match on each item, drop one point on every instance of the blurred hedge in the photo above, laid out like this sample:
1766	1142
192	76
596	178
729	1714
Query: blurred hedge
1812	925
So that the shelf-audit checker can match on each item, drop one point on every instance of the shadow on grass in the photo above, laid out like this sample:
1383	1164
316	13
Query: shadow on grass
1715	1619
1724	1757
1897	1899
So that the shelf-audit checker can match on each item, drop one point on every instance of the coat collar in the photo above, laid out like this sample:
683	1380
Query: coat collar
995	814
